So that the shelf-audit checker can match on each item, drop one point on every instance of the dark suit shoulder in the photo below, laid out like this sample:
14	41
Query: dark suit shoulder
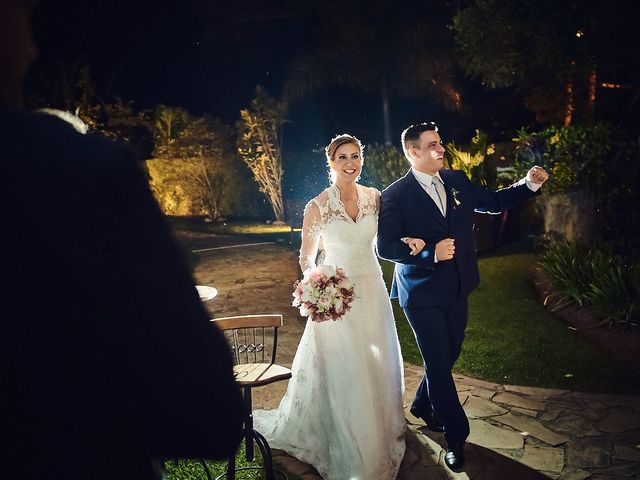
396	186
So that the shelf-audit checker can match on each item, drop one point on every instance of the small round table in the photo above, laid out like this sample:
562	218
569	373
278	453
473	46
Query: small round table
206	292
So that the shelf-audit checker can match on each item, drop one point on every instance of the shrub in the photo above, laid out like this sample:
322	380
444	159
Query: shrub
566	265
614	291
482	162
572	155
383	165
594	277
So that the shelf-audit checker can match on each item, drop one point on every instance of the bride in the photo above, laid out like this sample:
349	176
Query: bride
343	412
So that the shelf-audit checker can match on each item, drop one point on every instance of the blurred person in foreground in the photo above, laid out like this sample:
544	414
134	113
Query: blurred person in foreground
110	363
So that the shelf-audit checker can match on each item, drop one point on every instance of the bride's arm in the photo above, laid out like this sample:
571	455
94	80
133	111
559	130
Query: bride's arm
377	194
311	227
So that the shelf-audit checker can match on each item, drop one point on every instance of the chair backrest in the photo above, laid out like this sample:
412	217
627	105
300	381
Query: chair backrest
250	336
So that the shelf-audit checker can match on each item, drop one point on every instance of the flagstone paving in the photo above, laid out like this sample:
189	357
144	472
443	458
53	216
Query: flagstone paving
516	432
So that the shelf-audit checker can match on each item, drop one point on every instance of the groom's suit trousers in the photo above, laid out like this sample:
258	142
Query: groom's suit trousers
439	332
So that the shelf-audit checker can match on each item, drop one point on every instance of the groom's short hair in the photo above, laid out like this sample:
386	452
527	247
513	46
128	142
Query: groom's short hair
411	135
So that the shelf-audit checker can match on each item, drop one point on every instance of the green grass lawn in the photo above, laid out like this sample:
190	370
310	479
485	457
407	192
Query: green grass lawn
231	227
512	338
193	469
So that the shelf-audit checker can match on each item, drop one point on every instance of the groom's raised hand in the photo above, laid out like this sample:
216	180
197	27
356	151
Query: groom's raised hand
537	175
445	249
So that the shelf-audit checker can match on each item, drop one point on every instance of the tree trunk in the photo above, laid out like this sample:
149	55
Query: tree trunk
568	112
386	115
570	107
277	205
591	105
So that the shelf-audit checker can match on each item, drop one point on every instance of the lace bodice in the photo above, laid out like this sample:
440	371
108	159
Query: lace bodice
347	243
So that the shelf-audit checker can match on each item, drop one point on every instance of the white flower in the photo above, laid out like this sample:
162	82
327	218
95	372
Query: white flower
330	290
307	295
326	270
339	305
324	302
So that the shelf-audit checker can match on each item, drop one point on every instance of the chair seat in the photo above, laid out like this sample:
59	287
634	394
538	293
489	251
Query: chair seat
256	374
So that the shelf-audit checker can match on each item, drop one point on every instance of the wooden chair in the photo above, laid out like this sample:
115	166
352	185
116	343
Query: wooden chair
250	337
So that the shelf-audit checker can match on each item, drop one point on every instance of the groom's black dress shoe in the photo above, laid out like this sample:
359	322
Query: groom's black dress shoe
454	458
429	418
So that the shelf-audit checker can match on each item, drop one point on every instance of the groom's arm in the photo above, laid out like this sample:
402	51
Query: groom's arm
391	231
495	202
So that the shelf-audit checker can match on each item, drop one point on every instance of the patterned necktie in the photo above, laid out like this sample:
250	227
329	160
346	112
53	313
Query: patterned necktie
438	186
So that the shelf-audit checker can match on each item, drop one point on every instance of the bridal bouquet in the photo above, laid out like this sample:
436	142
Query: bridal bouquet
325	293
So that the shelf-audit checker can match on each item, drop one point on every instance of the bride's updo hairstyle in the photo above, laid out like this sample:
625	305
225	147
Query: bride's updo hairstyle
337	142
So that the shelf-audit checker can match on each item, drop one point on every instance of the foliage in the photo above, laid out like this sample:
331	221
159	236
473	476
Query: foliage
119	121
615	293
618	197
69	86
603	161
384	165
574	155
559	54
472	162
480	162
568	268
259	146
168	122
595	277
193	469
231	227
72	89
466	161
511	338
198	160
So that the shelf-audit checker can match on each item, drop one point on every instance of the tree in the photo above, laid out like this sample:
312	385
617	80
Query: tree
72	89
561	55
259	146
119	121
380	47
199	158
383	165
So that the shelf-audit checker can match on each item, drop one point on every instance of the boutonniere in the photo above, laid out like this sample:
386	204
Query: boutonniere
454	194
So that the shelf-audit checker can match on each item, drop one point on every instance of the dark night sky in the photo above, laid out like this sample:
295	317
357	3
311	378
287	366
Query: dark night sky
208	57
165	52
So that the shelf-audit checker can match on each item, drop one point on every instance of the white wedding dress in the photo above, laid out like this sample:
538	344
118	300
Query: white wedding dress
343	411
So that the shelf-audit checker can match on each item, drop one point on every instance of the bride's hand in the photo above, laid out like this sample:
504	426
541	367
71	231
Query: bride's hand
415	244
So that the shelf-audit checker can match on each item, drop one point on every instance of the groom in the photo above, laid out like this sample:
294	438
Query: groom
426	228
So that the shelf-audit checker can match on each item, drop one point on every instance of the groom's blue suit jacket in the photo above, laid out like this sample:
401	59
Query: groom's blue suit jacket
406	210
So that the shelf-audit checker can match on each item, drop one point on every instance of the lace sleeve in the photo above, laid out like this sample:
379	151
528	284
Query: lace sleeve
311	228
376	196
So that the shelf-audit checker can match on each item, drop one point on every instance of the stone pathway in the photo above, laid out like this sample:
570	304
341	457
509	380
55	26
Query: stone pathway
517	432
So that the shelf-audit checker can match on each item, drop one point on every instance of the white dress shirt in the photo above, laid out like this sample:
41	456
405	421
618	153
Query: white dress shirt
426	181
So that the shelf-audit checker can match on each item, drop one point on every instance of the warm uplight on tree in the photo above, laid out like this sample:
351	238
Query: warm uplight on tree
611	85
